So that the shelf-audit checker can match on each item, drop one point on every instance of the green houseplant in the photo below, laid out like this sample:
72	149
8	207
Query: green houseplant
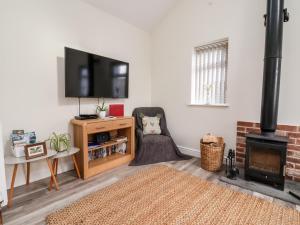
101	109
60	142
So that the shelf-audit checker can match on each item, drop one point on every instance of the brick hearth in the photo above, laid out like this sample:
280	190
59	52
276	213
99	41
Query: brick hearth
293	151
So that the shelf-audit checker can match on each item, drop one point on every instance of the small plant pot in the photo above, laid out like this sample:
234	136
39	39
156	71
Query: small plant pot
63	148
102	114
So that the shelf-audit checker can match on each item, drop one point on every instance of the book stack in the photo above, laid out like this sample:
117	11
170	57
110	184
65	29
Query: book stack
19	140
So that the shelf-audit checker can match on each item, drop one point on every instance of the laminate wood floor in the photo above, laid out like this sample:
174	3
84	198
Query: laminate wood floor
34	202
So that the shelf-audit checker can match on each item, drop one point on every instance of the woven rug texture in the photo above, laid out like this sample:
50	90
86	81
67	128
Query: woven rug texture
163	195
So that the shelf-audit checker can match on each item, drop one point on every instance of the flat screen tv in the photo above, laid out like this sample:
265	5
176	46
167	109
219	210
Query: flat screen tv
93	76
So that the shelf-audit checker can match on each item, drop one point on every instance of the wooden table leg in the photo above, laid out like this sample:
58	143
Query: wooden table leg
12	184
76	166
52	174
54	166
28	173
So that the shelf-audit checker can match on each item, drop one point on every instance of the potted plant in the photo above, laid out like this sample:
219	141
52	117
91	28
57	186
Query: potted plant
101	109
60	142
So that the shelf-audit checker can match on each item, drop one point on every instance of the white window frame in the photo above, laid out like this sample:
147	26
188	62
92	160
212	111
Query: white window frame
197	87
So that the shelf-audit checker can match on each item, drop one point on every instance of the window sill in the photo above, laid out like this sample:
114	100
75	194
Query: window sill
210	105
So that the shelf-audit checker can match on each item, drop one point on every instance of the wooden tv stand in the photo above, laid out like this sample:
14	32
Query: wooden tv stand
86	129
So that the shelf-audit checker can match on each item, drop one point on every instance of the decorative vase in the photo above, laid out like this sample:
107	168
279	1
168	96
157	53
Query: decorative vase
102	114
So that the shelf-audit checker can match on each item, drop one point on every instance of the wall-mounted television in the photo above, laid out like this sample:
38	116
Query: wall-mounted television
93	76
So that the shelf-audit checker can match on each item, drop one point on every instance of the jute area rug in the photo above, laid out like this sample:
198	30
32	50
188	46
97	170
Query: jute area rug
162	195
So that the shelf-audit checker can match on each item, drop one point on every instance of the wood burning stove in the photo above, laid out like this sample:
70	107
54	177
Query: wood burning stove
266	159
266	152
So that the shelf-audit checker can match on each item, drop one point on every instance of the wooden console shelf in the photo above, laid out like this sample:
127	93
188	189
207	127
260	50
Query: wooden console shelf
83	129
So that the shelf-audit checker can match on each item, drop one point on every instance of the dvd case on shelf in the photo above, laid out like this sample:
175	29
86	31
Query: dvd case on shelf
115	145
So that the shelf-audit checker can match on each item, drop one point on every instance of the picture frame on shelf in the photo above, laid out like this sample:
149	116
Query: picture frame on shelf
35	150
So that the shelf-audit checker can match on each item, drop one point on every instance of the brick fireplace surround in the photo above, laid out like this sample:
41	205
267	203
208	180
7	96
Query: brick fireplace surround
293	151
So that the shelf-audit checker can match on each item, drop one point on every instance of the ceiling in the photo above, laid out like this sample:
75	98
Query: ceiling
144	14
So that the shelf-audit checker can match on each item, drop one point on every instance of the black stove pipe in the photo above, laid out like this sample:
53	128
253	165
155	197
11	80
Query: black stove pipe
276	15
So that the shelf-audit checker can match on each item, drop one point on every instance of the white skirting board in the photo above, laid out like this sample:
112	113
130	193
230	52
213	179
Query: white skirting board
189	151
196	152
3	190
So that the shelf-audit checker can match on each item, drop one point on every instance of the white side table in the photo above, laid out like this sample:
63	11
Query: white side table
68	153
12	160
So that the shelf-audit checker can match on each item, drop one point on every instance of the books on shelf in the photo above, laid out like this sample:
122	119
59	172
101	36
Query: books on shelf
93	147
120	139
115	145
114	141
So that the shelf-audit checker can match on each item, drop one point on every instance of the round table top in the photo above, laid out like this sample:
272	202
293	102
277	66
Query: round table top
69	152
12	160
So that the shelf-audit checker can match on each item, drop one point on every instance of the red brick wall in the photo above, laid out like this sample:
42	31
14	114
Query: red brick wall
293	152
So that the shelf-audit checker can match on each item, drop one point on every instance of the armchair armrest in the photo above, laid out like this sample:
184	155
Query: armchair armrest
139	138
139	134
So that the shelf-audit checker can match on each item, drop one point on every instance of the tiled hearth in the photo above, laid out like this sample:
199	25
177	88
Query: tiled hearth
293	152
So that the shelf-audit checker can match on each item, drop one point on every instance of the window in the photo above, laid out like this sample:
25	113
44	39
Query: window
209	76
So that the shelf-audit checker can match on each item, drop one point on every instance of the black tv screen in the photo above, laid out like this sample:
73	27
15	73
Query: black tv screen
93	76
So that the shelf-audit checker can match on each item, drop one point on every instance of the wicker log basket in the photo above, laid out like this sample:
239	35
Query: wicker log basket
212	153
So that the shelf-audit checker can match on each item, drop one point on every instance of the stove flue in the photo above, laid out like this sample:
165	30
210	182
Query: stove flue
266	152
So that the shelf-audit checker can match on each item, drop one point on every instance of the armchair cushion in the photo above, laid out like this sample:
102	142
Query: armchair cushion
151	125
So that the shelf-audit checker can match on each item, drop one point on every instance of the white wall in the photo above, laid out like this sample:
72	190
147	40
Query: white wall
32	39
192	23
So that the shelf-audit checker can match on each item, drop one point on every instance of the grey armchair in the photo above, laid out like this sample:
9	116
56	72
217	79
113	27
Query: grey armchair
153	148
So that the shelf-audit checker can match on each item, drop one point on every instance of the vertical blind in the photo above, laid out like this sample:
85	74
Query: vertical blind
209	76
